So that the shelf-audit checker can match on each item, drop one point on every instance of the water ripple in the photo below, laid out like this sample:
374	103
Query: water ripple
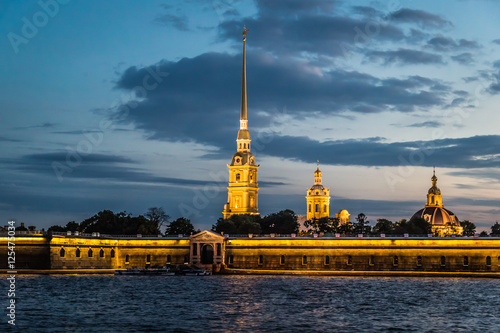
255	303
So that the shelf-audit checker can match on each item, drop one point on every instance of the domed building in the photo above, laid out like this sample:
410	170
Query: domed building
343	216
318	198
443	221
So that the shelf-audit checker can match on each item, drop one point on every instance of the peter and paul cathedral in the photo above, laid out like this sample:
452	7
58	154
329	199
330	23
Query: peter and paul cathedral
243	189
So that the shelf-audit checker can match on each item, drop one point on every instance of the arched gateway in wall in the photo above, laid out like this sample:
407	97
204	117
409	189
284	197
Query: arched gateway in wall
207	250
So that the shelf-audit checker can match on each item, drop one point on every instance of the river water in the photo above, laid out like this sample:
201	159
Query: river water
105	303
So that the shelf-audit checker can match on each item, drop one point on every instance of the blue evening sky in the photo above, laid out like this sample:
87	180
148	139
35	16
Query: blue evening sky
126	105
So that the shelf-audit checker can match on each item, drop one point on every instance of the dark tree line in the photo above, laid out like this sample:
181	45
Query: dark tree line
329	225
283	222
123	223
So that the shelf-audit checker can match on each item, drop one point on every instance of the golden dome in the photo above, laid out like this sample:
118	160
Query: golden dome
243	134
438	216
241	158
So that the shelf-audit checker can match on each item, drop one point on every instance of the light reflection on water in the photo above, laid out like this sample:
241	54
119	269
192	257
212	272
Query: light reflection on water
89	303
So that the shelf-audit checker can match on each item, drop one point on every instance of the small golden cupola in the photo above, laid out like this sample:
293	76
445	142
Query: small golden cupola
434	197
318	198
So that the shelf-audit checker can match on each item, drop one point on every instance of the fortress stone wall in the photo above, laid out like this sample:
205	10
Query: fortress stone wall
313	254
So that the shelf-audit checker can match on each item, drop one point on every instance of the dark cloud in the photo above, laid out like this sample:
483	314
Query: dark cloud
493	76
464	58
75	132
91	158
472	152
287	7
442	43
366	11
428	124
106	167
470	79
44	125
496	41
177	21
422	18
333	36
202	94
405	57
6	139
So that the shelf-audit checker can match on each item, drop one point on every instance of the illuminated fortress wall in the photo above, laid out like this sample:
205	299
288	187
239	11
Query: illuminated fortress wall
116	253
30	252
481	255
75	252
365	254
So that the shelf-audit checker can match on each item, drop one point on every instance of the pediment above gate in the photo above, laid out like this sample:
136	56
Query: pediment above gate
207	236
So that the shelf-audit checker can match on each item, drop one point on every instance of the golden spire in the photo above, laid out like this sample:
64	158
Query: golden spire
243	114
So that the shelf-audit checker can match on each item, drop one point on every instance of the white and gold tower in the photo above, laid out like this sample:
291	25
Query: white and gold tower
318	198
243	189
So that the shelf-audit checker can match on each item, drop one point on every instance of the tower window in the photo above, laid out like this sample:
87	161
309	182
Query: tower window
395	261
317	208
261	259
327	260
91	254
371	261
238	176
466	261
317	192
169	259
349	260
324	208
77	253
230	260
101	253
282	260
148	259
112	253
304	260
186	259
443	261
488	261
62	253
309	208
127	259
419	261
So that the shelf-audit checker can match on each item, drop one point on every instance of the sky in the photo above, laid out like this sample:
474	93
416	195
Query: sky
126	105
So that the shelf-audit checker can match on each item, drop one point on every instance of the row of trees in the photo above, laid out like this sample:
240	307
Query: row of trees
151	223
282	222
361	226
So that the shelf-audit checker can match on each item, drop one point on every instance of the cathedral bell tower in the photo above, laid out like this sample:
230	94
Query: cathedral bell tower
318	198
243	190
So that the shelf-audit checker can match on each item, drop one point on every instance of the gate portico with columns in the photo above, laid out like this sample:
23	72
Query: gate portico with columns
207	250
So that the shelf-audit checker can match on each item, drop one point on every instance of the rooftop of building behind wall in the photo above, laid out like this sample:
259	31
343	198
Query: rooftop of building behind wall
38	233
